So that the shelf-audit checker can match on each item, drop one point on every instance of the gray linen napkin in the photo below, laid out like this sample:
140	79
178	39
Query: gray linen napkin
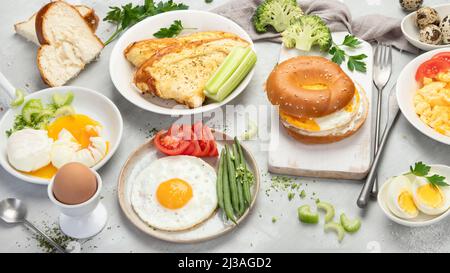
336	14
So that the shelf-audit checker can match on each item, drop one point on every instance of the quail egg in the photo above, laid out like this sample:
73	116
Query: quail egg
445	29
427	16
431	34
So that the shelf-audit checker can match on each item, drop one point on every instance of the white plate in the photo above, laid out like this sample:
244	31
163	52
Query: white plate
209	229
346	159
407	87
422	219
122	71
411	30
86	101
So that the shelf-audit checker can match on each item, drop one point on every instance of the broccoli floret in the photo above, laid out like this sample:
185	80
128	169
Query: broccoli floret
277	13
307	31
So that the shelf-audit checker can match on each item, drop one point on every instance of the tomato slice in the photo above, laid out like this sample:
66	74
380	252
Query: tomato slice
197	150
182	131
443	56
213	151
190	149
169	144
431	69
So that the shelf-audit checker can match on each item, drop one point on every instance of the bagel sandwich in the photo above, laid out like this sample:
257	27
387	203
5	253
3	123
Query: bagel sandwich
318	102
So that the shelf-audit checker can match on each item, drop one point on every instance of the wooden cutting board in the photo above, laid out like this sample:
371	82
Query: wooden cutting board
347	159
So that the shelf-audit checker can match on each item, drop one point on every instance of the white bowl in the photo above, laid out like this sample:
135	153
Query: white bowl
86	101
407	87
411	30
122	71
422	219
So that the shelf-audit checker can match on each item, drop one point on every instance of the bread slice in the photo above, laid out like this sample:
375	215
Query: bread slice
181	72
67	43
139	52
27	29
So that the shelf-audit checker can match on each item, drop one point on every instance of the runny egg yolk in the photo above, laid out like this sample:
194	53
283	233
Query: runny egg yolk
174	193
46	172
353	103
430	195
406	202
317	86
77	125
303	123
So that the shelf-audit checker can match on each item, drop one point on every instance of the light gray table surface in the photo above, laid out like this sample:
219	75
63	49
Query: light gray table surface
257	233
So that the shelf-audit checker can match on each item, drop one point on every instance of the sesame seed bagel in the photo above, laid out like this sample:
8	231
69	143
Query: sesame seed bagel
290	87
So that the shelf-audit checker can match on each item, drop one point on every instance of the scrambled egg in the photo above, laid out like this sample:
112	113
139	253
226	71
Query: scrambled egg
432	103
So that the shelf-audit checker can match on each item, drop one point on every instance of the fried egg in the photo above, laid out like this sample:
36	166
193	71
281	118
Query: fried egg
338	121
175	193
401	201
429	199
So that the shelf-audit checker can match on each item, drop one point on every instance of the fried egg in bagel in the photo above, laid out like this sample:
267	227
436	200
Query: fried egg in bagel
318	102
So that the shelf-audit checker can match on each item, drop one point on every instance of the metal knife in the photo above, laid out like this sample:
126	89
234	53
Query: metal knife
393	113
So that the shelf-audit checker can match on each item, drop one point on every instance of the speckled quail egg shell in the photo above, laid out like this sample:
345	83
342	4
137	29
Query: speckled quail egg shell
431	34
411	5
426	16
445	29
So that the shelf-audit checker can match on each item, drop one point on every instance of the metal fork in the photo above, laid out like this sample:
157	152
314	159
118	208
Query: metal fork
381	73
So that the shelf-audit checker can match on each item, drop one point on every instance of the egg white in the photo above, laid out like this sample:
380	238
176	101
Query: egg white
338	122
422	206
29	150
67	149
398	185
200	176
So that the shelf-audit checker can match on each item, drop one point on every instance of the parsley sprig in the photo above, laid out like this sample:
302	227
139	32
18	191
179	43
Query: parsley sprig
354	62
422	170
126	16
175	28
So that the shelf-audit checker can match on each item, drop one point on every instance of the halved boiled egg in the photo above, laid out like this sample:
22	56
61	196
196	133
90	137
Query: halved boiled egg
400	198
430	199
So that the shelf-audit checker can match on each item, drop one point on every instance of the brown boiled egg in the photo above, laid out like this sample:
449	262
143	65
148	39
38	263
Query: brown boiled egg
74	183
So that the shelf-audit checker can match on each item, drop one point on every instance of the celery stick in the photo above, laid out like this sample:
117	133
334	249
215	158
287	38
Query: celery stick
226	69
235	79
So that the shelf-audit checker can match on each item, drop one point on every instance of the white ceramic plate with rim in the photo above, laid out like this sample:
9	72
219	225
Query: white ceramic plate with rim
87	102
211	228
411	30
121	71
407	88
422	219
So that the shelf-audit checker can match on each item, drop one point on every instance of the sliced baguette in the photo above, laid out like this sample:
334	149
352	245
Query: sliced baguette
67	43
27	29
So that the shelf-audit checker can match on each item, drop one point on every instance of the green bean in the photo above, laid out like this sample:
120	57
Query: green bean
237	160
226	191
219	182
232	181
246	183
239	180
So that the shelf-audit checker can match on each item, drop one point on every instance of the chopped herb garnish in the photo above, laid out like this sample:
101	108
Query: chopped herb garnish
126	16
420	169
354	62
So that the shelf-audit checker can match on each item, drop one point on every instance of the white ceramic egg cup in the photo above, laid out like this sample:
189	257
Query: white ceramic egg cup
83	220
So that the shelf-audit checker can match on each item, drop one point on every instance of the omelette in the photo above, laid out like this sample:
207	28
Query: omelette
139	52
180	72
